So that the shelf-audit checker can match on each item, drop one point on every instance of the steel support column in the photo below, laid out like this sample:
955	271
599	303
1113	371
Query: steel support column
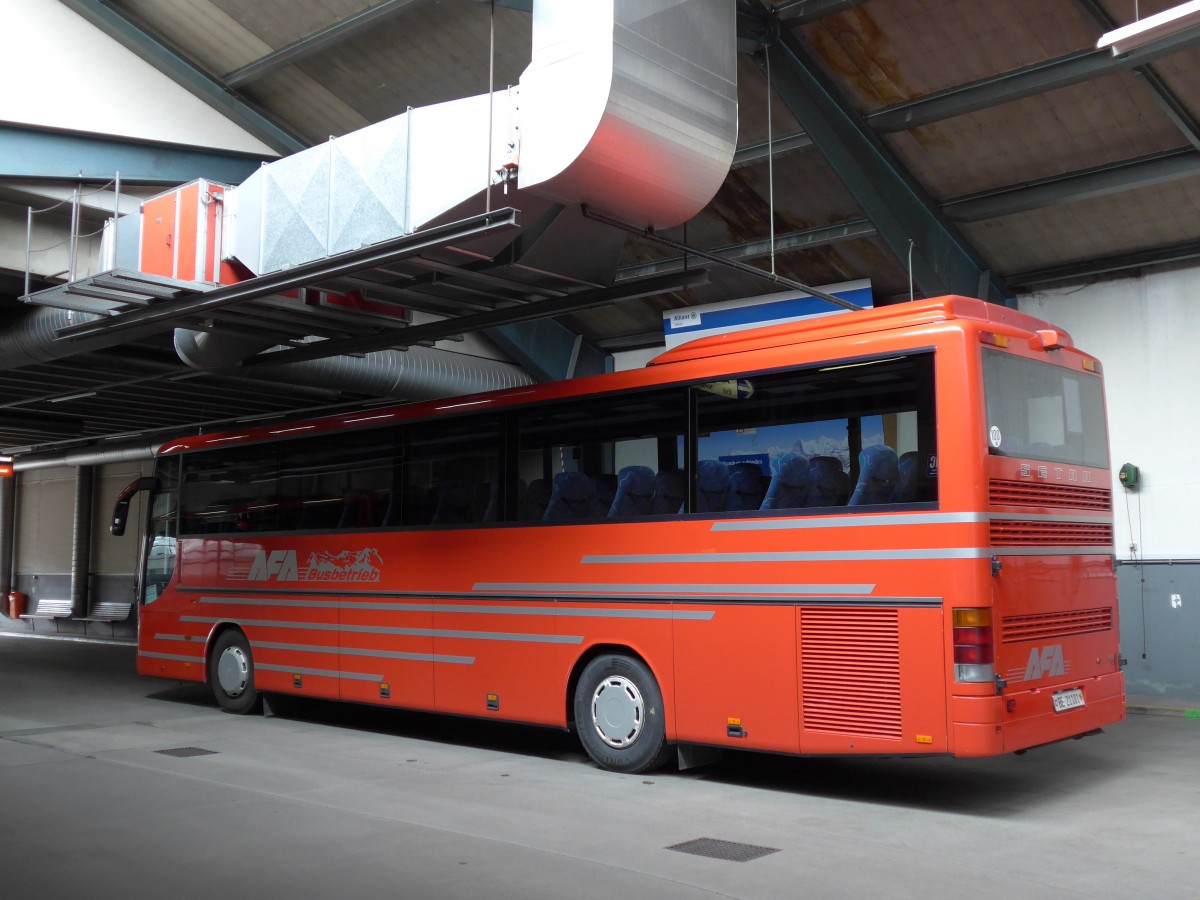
81	542
943	262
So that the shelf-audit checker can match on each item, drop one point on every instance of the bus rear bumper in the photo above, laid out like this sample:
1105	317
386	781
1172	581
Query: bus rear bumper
1018	720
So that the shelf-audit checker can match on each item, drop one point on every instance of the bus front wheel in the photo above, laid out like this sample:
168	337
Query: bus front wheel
619	715
231	673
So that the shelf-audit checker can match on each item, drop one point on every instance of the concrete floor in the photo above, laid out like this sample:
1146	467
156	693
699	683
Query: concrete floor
336	801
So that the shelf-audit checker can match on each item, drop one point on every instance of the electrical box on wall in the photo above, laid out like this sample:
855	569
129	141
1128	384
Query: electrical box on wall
1129	476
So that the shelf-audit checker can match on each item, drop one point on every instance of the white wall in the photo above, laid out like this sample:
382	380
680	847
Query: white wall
60	71
1141	329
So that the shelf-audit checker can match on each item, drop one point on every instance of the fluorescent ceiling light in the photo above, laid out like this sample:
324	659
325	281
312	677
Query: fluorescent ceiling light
1154	28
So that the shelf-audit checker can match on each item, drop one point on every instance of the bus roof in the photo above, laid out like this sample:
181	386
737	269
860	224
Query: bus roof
898	316
867	321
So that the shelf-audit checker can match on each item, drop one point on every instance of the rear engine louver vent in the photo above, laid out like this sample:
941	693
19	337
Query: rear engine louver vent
1030	493
1048	626
1012	533
850	671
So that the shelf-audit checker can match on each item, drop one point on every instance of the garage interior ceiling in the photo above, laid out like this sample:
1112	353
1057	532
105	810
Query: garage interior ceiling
987	140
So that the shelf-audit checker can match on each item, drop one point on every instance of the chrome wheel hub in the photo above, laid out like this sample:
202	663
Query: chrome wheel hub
618	711
233	671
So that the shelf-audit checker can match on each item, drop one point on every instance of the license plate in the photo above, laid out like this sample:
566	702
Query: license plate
1065	700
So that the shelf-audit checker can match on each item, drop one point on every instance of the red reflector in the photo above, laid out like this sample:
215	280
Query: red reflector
980	634
973	646
972	655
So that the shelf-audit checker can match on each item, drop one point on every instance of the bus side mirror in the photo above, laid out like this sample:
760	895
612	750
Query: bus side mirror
120	514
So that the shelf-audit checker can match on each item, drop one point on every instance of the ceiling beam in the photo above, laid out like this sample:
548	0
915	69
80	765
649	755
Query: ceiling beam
1100	181
755	153
523	312
918	234
183	71
44	154
1105	265
1027	81
1171	105
316	42
801	12
784	243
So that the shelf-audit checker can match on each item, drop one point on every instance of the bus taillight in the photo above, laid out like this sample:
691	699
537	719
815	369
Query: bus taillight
974	659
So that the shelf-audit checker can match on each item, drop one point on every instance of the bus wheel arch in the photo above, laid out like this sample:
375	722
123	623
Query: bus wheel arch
230	670
617	709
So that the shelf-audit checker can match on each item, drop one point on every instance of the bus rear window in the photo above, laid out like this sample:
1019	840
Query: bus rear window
1042	411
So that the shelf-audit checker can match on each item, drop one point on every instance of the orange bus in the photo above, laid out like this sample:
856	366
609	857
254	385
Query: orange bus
879	532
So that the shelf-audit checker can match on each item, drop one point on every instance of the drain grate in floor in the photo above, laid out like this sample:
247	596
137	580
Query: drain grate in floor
731	850
186	751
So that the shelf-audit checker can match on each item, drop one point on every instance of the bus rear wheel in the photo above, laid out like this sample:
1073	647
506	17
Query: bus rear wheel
619	715
231	673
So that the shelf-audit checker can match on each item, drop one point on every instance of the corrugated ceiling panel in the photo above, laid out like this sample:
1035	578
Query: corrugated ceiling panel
280	22
752	106
1090	124
1133	220
303	105
430	54
886	53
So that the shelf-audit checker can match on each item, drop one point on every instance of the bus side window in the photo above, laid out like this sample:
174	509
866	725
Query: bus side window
597	460
448	470
849	423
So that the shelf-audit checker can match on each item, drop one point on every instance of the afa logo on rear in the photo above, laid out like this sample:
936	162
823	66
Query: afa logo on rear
1045	661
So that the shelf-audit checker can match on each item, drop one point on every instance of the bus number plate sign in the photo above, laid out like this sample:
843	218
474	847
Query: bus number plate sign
1065	700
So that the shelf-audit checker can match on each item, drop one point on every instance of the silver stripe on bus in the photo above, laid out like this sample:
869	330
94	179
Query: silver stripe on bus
843	555
171	656
510	637
597	612
683	589
866	520
863	520
1098	550
328	673
177	637
1049	518
362	651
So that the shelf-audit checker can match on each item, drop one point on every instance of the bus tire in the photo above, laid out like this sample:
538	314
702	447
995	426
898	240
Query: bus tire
619	715
231	673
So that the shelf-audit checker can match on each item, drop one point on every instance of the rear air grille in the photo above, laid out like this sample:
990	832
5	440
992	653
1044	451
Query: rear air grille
1031	493
850	671
1047	626
1013	533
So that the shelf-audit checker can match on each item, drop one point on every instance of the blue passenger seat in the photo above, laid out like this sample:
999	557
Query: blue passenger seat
906	484
745	486
670	492
789	482
635	492
455	502
712	486
878	473
604	489
570	498
537	497
827	482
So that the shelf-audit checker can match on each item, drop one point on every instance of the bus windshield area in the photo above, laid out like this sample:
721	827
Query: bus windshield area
1038	410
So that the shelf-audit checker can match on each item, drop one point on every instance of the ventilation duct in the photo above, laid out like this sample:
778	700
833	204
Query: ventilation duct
418	373
629	106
